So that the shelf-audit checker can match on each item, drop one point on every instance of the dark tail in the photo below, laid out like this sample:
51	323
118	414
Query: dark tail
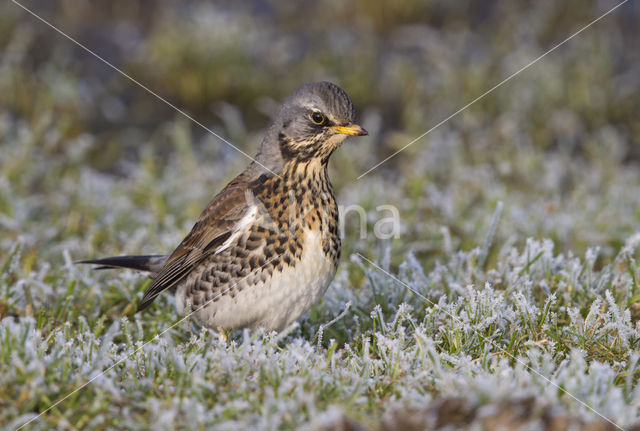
151	263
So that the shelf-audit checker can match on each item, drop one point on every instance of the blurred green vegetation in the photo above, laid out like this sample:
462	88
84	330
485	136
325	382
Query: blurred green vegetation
91	165
411	63
554	138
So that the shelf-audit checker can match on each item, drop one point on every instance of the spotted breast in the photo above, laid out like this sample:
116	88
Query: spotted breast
277	263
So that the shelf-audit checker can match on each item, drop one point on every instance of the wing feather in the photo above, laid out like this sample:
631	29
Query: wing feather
215	226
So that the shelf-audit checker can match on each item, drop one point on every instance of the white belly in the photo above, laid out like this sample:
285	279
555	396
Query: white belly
275	303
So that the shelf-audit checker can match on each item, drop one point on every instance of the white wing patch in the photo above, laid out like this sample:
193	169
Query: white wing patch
241	227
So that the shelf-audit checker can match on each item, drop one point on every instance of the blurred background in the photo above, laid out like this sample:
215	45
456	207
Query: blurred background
93	164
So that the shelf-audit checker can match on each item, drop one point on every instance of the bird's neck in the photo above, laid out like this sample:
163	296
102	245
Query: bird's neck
303	171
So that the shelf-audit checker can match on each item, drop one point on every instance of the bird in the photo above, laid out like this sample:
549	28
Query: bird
267	246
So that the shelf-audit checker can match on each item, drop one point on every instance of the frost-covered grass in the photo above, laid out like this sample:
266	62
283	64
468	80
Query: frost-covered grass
529	327
540	325
511	297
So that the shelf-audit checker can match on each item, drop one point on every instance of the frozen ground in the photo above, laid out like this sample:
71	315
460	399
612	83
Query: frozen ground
531	323
511	297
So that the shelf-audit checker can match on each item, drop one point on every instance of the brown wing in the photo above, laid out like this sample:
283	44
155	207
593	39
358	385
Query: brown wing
213	228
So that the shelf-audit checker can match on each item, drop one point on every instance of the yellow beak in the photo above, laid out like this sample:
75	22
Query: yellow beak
351	130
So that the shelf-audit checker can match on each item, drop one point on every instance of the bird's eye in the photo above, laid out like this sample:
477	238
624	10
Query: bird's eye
317	118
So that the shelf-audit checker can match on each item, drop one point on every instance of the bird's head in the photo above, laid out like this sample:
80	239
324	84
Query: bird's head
310	125
314	121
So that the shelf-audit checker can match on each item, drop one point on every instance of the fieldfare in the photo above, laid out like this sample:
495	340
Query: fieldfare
266	247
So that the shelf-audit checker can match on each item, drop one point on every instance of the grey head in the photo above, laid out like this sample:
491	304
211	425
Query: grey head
311	124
